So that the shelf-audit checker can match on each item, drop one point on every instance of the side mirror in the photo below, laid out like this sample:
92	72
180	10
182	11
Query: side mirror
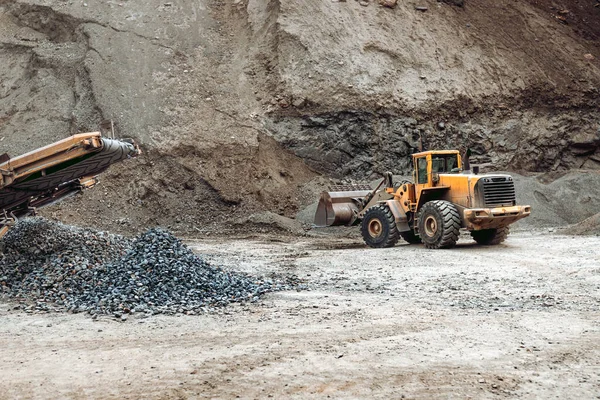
389	180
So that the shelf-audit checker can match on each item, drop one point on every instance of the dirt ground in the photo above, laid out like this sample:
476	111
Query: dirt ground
520	320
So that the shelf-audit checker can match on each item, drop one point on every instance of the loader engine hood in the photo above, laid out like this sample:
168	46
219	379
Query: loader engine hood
483	191
494	190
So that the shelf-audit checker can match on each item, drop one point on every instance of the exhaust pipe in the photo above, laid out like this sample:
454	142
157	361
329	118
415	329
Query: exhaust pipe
467	162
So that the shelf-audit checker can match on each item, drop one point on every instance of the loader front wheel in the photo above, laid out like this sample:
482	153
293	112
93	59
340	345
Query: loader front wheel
378	227
490	237
439	224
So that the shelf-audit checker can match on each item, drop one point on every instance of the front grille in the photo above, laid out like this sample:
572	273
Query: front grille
499	192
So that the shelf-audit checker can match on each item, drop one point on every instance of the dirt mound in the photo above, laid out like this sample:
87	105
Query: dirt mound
581	16
68	67
559	200
589	226
268	222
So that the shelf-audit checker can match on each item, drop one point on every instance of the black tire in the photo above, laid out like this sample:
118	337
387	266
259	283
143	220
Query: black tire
490	237
378	227
411	237
439	224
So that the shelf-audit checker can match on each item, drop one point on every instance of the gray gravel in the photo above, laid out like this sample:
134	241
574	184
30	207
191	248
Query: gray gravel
53	267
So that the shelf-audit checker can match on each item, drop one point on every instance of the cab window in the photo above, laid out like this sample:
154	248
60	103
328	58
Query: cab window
437	164
422	170
444	163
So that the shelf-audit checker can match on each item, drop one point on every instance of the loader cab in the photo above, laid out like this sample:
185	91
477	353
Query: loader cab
429	163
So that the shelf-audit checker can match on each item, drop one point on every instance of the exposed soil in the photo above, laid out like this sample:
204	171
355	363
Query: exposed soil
582	16
519	320
240	105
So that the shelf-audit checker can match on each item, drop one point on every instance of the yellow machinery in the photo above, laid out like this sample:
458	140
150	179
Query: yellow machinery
445	197
51	173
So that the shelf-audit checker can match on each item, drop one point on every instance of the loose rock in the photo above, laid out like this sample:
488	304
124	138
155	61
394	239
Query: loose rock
388	3
62	268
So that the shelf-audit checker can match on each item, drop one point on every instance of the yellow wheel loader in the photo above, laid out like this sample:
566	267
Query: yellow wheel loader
445	197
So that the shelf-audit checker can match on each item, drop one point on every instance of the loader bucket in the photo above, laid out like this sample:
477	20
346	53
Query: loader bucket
339	207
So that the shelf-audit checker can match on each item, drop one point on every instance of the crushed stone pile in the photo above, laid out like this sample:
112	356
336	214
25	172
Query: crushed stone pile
63	268
589	226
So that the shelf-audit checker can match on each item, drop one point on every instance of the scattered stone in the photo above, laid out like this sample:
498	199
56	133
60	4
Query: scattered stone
589	57
421	8
298	103
388	3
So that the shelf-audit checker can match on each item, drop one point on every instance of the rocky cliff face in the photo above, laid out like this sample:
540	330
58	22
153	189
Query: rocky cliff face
358	143
239	104
360	86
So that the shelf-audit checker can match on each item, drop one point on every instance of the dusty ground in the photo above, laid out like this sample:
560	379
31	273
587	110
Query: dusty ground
517	320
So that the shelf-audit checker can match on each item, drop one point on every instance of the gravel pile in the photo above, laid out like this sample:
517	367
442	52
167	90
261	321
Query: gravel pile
58	267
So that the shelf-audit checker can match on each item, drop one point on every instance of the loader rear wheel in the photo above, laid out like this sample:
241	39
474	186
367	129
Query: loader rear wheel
411	237
378	227
490	237
439	224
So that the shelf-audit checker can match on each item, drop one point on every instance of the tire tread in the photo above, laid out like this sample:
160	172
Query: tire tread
450	221
386	214
491	237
